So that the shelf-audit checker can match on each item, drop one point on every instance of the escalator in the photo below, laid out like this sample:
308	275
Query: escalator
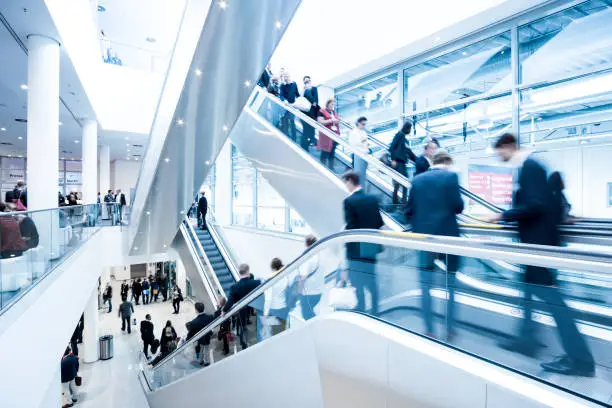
269	111
421	313
211	256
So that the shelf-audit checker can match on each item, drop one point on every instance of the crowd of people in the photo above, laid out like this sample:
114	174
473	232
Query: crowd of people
18	232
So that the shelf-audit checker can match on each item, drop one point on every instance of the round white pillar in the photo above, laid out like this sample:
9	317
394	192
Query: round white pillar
104	169
43	122
90	162
89	349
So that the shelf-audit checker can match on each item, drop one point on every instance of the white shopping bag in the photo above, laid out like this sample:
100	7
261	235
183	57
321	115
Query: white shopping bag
343	297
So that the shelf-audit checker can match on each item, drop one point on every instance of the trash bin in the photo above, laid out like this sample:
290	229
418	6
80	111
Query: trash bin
106	347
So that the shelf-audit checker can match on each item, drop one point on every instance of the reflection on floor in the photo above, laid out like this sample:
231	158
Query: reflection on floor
114	383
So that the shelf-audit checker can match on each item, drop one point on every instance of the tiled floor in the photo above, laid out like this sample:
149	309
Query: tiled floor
114	383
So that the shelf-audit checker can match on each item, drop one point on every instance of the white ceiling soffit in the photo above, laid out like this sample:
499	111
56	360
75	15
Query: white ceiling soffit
237	40
17	21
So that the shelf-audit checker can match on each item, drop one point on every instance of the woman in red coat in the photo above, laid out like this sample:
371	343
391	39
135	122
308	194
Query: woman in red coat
329	118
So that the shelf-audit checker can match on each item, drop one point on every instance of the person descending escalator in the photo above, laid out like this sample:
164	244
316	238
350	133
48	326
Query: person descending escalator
425	161
433	205
358	139
328	118
399	154
311	93
238	291
289	93
537	224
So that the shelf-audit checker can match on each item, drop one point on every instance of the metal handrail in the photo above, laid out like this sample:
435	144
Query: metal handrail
200	250
535	255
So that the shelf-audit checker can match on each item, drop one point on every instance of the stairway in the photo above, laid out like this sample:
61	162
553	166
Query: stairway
224	275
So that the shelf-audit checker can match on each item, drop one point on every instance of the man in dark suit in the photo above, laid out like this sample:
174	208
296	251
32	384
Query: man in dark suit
238	291
424	162
538	224
312	94
264	79
433	204
194	326
289	92
399	154
361	211
202	210
147	335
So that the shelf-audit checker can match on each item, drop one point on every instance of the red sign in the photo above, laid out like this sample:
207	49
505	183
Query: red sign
494	184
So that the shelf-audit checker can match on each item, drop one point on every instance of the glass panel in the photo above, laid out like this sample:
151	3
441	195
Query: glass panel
272	218
74	165
471	126
577	110
34	242
243	182
512	314
473	70
572	42
378	100
337	156
297	223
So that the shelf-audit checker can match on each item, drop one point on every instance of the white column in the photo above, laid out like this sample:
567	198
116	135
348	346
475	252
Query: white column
104	169
89	350
43	122
90	162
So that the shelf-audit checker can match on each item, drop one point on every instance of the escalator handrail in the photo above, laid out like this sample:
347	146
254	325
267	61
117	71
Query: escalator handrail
202	256
537	255
375	163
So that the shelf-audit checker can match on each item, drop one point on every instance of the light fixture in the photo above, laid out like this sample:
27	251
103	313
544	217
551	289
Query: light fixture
223	4
10	155
24	87
207	162
19	137
3	129
60	123
62	158
76	141
180	122
464	53
198	72
19	155
136	158
247	83
278	24
165	246
127	144
167	160
135	248
225	128
148	212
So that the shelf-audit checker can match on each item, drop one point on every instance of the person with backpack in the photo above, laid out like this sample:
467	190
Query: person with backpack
12	243
125	313
168	340
147	335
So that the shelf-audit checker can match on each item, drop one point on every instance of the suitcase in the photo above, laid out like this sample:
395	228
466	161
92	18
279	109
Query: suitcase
155	346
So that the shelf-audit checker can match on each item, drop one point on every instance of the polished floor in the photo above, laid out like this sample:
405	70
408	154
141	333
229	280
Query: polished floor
114	383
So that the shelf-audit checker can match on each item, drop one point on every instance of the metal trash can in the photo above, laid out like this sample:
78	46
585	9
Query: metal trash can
106	347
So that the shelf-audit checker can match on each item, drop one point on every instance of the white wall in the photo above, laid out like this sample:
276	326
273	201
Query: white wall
124	175
586	170
258	247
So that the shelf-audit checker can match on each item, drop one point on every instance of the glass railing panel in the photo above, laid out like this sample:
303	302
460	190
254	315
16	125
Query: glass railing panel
316	140
473	303
34	242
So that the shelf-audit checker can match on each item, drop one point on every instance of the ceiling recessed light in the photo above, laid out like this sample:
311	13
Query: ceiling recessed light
76	141
62	158
223	4
165	246
136	158
198	72
19	137
24	87
60	123
278	24
150	40
464	53
3	129
128	150
135	248
167	159
207	162
225	128
148	212
19	155
247	83
10	155
180	122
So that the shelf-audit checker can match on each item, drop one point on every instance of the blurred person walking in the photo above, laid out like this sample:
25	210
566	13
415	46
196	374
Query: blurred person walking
329	118
399	154
147	334
125	313
361	211
238	291
358	140
425	161
537	224
311	282
177	298
289	93
194	326
433	205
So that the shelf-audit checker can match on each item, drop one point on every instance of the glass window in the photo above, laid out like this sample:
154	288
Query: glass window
297	223
271	207
473	70
377	100
572	42
243	183
208	187
74	165
465	126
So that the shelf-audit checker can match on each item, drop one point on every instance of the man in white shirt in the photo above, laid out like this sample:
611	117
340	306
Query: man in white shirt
358	140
